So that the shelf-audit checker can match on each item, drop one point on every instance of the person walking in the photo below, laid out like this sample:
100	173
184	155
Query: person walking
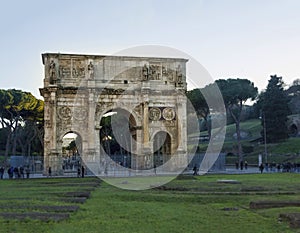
82	171
27	170
261	168
195	169
246	165
1	172
78	171
49	172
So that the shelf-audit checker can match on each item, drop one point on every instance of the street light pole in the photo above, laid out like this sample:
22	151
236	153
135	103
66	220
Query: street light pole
262	116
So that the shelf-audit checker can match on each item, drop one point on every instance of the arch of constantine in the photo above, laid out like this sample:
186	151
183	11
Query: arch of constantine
144	98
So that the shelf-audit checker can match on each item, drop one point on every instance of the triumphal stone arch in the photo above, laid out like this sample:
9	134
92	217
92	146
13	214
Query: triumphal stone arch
149	92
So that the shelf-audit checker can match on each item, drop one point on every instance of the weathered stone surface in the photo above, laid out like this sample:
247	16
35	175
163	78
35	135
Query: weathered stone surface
79	89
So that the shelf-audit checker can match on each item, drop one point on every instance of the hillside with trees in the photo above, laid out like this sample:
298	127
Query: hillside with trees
269	115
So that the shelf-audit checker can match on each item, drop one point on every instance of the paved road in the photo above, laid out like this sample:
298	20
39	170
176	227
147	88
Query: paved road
125	173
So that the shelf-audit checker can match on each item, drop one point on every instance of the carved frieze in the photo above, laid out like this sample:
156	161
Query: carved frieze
78	68
159	71
168	73
110	91
65	68
72	68
169	123
154	72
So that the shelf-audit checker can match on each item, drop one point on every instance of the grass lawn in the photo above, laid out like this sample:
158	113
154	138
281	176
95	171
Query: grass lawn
187	204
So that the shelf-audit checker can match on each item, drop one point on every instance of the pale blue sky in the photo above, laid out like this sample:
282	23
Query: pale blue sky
230	38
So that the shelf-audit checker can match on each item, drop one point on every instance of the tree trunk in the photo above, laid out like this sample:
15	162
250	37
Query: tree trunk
29	150
14	142
7	147
40	134
15	137
238	137
23	146
237	120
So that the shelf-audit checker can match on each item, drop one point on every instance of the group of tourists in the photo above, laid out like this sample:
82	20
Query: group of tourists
15	172
271	167
279	167
242	165
71	163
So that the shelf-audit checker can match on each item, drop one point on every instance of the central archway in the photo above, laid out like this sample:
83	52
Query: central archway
117	138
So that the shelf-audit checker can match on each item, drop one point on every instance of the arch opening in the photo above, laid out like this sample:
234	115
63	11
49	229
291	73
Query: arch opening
162	148
117	137
71	151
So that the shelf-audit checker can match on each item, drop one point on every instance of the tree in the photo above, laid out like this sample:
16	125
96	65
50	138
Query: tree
72	147
275	110
235	93
201	107
18	110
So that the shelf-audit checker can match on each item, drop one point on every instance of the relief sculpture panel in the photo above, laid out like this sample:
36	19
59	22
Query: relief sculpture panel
72	68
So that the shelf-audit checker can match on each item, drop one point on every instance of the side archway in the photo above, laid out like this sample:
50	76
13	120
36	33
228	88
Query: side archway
71	151
162	148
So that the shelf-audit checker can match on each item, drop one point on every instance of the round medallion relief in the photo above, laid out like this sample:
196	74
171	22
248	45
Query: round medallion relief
64	112
154	114
168	114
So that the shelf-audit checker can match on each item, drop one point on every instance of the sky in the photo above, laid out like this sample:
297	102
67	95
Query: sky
230	38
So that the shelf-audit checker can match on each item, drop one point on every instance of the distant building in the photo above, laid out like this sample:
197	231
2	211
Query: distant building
294	124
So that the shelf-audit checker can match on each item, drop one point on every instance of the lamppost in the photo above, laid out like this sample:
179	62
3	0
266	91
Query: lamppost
265	135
